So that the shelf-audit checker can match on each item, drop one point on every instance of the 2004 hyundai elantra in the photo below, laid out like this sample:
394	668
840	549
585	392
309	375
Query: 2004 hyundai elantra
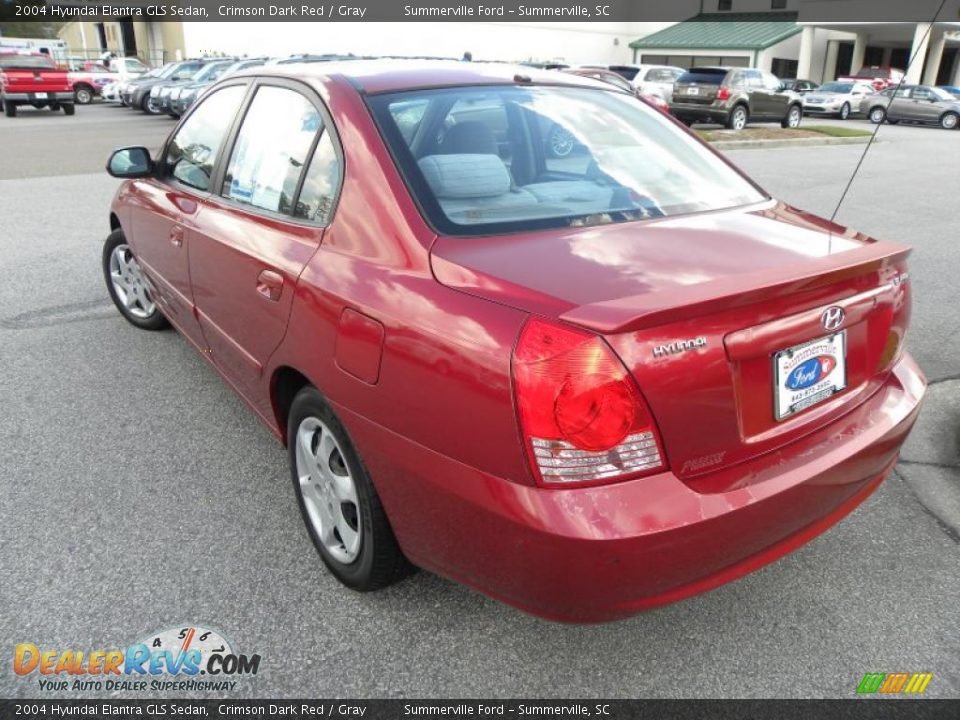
583	384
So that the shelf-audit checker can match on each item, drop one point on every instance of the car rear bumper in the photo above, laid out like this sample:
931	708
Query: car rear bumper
596	554
60	97
699	113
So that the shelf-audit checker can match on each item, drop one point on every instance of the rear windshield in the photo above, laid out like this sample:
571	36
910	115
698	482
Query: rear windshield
625	71
704	76
507	159
26	62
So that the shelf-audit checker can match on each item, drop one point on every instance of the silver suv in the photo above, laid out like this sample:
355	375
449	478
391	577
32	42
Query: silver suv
733	97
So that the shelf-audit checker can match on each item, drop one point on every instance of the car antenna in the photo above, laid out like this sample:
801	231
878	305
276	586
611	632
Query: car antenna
863	155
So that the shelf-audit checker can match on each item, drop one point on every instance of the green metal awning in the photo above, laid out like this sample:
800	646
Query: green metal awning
724	31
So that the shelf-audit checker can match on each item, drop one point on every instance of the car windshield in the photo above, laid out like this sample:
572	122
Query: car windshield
835	87
26	62
134	66
210	71
508	159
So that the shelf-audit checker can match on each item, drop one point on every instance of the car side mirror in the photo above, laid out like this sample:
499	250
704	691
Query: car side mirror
130	162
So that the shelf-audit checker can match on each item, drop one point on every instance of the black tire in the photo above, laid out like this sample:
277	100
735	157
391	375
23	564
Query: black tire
156	321
877	115
83	94
69	109
793	117
9	109
146	106
893	122
950	121
845	111
379	561
737	114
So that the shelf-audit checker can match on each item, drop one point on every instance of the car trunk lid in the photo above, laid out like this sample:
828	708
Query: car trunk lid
36	80
698	309
699	86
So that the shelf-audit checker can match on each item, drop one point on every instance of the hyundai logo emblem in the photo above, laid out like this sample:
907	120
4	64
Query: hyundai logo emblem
832	318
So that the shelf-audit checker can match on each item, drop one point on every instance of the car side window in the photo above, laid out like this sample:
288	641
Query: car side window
752	78
922	93
771	82
320	184
192	152
271	149
735	81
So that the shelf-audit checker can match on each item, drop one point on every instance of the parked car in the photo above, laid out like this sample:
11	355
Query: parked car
881	77
800	86
914	103
89	78
180	101
618	81
162	94
657	79
125	88
646	377
734	97
28	78
137	92
836	99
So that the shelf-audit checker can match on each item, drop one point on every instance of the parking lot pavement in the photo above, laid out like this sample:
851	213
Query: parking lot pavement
139	494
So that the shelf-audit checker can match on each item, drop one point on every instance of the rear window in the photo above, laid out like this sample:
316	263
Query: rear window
26	62
704	76
483	161
625	71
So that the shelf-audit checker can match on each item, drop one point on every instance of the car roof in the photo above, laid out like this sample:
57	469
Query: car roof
382	76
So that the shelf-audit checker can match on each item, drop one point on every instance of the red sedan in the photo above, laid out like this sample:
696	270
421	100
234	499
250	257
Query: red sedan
584	385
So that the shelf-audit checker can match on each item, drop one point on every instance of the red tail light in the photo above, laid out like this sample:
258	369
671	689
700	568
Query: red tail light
583	418
723	93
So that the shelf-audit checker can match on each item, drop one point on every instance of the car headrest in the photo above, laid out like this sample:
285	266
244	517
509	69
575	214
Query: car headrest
465	175
469	137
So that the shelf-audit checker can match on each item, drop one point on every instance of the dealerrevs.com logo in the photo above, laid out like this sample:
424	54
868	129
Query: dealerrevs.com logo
187	658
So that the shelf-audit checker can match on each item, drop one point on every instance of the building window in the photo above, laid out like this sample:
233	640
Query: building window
723	5
778	4
784	68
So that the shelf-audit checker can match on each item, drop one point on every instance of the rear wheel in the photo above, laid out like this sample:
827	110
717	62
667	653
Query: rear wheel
949	121
737	119
83	94
148	105
340	507
69	109
878	115
845	111
9	109
794	115
127	285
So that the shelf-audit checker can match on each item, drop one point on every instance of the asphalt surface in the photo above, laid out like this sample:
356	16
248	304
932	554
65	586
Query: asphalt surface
139	494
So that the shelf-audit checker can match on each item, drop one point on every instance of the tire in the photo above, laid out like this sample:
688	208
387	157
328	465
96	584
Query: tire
893	122
69	109
148	106
366	555
793	118
126	285
738	118
83	94
949	121
877	115
9	109
845	111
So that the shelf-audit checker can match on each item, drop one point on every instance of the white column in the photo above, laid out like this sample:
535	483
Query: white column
806	52
859	50
921	41
956	70
830	63
933	59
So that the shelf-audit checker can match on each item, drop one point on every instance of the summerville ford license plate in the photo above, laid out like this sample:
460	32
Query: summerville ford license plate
807	374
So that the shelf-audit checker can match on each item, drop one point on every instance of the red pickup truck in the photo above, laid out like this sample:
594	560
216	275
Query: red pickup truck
33	79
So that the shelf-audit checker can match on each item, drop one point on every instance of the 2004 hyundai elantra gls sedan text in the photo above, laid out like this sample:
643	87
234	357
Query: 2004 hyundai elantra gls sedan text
584	385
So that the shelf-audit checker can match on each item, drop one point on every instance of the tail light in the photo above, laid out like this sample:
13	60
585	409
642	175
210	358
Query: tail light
723	93
583	419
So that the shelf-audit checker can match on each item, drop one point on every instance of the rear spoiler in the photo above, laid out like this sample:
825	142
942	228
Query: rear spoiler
684	302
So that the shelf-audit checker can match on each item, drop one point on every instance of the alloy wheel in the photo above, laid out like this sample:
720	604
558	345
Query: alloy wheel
877	115
328	490
739	119
949	121
129	283
561	142
845	111
793	117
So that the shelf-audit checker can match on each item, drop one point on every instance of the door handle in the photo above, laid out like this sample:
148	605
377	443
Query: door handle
176	235
270	284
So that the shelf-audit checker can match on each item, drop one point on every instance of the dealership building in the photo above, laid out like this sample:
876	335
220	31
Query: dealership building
785	37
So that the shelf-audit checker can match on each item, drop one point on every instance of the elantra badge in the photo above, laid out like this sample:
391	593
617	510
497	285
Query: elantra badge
679	346
832	318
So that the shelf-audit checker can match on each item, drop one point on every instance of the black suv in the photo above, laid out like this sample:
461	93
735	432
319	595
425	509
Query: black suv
733	97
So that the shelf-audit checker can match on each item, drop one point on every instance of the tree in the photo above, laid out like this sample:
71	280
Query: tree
39	29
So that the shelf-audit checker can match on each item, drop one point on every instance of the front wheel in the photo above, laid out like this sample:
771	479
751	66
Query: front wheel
845	111
127	285
792	120
738	118
149	106
83	94
949	121
878	115
340	507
